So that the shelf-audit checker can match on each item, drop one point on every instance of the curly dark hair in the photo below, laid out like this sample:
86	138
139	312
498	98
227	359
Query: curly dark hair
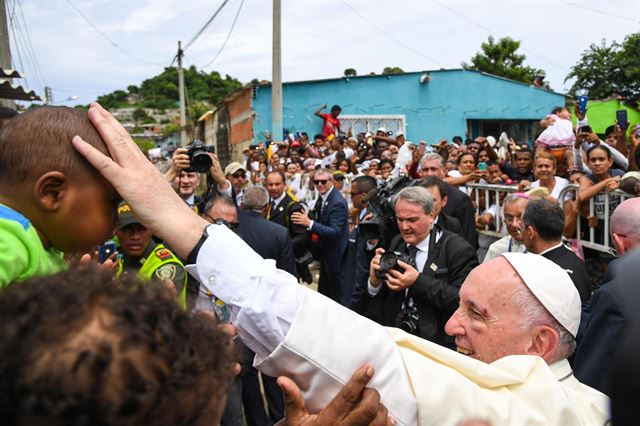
78	350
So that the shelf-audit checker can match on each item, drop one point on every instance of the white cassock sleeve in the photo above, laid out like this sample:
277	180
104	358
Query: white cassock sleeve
264	302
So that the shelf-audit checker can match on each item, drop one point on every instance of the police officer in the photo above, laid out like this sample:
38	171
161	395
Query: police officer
149	259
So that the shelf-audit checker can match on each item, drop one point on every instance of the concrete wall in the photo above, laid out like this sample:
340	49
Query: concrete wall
435	110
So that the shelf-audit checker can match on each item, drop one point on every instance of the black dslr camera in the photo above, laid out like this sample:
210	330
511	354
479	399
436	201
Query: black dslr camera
389	260
199	159
409	320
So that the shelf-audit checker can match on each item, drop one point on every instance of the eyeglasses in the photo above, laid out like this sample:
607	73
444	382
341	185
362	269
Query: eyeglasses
510	219
240	175
320	181
231	225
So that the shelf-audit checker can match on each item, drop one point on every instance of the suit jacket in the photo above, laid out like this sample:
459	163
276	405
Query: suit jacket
268	239
355	270
567	260
450	224
459	205
600	331
281	214
332	227
435	292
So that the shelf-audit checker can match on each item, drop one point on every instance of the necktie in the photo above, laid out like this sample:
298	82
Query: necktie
272	206
318	207
412	251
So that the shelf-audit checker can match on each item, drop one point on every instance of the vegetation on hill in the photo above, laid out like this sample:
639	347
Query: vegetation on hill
161	92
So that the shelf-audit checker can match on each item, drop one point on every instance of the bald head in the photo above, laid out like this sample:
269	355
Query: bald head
625	225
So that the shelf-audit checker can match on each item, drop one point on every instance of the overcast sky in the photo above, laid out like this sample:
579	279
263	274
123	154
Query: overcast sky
320	37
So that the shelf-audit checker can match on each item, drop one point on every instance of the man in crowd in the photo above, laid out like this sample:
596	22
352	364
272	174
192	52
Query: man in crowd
281	207
458	204
542	226
420	298
329	232
603	320
330	122
237	177
537	324
357	257
438	190
513	207
144	257
523	169
184	180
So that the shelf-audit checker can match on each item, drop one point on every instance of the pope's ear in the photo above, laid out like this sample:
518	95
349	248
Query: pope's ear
544	343
50	189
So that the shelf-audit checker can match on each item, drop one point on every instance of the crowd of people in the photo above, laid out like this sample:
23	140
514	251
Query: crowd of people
456	302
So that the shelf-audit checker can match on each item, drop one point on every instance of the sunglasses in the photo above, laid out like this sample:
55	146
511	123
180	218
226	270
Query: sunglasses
320	181
239	175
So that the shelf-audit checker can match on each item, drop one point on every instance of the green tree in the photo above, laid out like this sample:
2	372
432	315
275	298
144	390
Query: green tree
144	144
196	110
171	129
350	72
502	60
139	114
392	70
133	89
604	70
117	99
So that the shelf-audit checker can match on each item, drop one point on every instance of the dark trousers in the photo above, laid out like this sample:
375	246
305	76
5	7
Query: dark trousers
329	282
233	410
254	409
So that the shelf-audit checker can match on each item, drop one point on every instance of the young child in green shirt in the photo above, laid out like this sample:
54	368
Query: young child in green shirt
52	201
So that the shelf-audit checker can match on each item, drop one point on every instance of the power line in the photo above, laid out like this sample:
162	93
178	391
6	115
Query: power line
601	12
392	37
455	12
113	43
30	49
204	27
235	19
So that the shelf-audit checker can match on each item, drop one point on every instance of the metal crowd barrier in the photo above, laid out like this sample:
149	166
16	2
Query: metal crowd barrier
499	191
605	198
617	196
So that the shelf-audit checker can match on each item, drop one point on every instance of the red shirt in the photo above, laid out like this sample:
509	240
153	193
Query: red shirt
330	126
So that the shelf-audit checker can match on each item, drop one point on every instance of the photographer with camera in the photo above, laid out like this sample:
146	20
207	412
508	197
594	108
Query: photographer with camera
423	270
184	173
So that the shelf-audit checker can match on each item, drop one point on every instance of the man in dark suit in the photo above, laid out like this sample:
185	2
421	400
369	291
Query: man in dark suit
458	205
543	223
355	263
281	206
438	189
604	318
329	230
420	299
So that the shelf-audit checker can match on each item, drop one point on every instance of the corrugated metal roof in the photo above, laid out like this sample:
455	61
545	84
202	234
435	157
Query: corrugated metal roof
8	91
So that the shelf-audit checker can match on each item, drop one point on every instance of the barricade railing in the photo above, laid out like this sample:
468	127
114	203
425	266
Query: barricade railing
599	207
499	192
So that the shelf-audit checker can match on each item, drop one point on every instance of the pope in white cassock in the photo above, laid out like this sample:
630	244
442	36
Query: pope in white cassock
514	329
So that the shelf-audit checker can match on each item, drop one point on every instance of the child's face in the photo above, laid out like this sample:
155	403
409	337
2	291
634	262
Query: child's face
86	217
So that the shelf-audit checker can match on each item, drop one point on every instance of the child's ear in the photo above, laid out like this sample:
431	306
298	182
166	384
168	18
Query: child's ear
49	190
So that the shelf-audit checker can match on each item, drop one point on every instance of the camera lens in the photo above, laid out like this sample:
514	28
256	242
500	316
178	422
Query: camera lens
200	162
388	261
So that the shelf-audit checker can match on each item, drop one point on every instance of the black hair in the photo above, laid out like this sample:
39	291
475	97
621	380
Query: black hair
78	350
365	183
602	147
466	153
431	181
546	217
457	139
524	151
557	109
336	107
7	113
386	161
318	136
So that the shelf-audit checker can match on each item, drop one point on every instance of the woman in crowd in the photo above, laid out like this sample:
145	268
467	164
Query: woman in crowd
544	168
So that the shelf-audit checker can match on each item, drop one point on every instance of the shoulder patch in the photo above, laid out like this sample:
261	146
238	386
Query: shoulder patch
166	272
163	254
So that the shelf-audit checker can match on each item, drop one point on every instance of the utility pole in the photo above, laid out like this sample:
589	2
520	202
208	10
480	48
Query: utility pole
276	83
5	49
183	112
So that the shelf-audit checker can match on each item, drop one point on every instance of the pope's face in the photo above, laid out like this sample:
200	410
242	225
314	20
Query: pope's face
486	324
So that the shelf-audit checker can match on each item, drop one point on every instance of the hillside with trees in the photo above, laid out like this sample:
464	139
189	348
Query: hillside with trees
161	92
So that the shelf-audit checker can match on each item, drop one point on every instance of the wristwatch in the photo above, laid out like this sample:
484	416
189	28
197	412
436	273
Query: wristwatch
193	255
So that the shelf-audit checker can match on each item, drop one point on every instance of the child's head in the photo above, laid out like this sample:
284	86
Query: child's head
78	350
43	177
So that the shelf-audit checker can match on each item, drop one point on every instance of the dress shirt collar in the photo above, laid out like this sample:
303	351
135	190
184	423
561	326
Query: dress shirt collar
424	244
190	200
280	198
550	248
